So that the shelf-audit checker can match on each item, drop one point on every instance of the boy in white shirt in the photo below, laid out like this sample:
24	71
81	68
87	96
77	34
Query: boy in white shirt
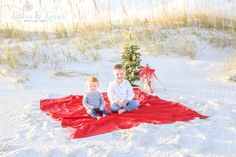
120	92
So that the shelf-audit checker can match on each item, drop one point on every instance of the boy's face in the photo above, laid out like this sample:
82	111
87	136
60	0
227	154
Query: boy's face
92	86
119	74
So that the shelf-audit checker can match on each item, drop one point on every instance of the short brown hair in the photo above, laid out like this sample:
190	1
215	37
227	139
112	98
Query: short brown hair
92	79
118	66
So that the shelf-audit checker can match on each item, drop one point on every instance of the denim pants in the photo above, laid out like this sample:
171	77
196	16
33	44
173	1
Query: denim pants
93	112
131	105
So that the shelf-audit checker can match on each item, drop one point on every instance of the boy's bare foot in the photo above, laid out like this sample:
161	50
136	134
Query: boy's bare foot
121	111
98	117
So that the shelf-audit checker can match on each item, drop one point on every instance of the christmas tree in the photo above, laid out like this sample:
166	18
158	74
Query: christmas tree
131	59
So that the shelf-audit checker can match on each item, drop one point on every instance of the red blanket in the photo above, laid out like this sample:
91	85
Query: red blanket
70	111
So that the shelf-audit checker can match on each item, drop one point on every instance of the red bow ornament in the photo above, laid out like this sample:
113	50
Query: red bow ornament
147	73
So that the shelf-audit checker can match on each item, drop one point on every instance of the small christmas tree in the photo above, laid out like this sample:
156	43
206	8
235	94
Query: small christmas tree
131	59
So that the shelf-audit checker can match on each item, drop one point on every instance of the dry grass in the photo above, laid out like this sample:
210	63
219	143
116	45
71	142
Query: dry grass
61	31
7	31
10	32
231	63
79	45
152	47
93	55
44	35
182	47
67	74
34	57
230	68
70	73
11	56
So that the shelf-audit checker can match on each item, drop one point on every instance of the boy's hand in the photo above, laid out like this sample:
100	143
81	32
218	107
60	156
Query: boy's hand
125	102
91	107
101	108
122	103
119	103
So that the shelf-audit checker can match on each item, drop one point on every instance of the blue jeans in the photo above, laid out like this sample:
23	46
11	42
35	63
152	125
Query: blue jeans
131	105
93	112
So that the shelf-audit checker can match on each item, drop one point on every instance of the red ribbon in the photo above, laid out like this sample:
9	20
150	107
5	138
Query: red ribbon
148	72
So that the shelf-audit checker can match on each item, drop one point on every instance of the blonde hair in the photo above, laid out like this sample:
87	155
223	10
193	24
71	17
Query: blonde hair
92	79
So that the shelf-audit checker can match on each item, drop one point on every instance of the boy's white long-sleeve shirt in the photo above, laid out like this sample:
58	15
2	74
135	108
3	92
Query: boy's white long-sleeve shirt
117	92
